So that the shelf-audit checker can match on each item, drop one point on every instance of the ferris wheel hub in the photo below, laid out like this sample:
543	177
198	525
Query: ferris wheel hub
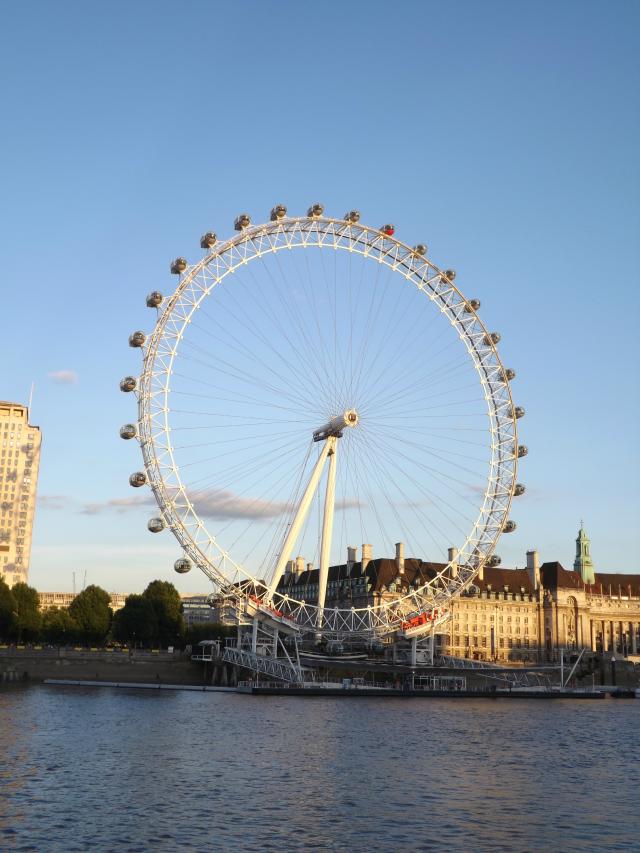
337	425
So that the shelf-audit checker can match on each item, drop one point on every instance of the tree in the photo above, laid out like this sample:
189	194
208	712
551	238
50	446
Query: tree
167	604
208	631
8	611
91	612
29	618
58	626
136	622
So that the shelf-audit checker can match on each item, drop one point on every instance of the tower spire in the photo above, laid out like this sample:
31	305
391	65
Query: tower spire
583	562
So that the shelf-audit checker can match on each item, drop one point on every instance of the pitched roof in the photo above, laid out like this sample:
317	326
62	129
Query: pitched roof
618	582
554	576
498	578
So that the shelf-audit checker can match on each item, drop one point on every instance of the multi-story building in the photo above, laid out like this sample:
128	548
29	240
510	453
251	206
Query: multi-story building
197	610
528	614
64	599
19	463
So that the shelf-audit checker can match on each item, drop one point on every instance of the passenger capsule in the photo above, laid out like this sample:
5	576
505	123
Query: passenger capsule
389	230
494	561
241	222
278	212
315	210
518	412
182	566
208	240
154	299
129	383
178	266
137	479
518	490
472	305
509	374
353	216
491	338
128	431
522	450
450	274
509	526
420	249
137	339
155	525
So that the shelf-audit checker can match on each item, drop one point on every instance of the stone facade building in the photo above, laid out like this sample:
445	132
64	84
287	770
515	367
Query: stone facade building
19	463
527	615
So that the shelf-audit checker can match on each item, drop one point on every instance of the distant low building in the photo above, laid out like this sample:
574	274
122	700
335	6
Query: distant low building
64	599
197	610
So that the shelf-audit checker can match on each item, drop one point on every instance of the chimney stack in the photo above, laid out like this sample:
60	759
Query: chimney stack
400	557
309	567
290	567
452	553
299	565
352	557
533	567
366	556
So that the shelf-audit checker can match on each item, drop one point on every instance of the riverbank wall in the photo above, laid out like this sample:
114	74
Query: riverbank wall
150	667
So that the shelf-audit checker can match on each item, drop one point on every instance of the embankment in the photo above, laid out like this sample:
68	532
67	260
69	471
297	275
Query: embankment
160	667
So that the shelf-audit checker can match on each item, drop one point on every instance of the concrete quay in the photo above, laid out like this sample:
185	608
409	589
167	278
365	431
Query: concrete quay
110	665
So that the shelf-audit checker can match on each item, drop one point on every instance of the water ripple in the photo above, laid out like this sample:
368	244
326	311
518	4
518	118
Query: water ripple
125	770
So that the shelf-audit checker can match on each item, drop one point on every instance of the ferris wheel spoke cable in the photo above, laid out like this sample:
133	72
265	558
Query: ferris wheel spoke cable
246	377
299	352
243	377
415	431
377	461
383	485
248	353
274	450
256	333
435	498
446	476
305	337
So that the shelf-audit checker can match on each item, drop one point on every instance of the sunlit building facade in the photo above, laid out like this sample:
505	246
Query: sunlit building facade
19	463
527	615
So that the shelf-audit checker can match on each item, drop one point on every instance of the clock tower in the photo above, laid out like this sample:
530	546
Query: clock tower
582	562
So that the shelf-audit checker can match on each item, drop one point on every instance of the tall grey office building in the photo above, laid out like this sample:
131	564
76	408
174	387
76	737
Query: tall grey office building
19	462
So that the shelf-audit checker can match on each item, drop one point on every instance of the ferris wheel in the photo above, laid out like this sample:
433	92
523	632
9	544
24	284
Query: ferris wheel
314	382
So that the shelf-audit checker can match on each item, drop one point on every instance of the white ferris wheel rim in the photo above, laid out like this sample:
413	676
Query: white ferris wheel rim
154	427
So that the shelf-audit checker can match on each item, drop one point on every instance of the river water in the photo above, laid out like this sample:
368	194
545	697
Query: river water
107	769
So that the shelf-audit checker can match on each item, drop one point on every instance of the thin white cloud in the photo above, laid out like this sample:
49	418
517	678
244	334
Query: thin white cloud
119	505
349	503
63	377
54	501
220	503
211	503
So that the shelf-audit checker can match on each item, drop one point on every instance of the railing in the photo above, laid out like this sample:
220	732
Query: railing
264	665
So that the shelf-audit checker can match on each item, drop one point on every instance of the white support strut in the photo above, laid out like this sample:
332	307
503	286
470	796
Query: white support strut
329	433
298	520
327	526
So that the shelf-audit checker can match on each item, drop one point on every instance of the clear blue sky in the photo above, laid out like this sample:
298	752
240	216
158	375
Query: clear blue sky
504	135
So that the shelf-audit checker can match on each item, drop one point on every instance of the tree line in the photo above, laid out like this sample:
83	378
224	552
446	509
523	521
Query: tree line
153	619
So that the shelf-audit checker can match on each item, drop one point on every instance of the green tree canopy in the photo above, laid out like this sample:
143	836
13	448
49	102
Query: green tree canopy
29	618
208	631
8	611
136	622
91	612
167	604
58	626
